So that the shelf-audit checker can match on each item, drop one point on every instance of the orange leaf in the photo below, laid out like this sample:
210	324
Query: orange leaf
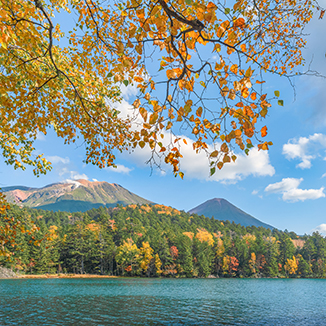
170	74
253	96
234	69
263	131
240	22
211	6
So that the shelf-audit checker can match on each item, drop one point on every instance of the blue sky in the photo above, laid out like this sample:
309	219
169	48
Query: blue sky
283	187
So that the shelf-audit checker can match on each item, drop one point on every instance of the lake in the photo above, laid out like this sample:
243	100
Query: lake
139	301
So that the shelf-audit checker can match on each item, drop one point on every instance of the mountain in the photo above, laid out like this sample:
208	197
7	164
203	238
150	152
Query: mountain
73	196
221	209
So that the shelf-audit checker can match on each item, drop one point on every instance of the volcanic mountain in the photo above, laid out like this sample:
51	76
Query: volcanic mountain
72	196
221	209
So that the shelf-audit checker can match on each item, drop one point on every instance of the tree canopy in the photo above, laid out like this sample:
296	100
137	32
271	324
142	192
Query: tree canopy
157	240
199	67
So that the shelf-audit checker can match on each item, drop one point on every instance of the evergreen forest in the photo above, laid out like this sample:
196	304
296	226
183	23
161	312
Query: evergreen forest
158	241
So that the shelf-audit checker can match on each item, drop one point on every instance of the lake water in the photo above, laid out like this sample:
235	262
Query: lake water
136	301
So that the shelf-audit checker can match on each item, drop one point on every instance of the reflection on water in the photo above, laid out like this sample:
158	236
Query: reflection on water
162	302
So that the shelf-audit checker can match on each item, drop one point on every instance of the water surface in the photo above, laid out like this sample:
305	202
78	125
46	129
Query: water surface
138	301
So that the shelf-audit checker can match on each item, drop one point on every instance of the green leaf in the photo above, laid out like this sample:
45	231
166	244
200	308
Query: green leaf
277	93
212	171
188	2
280	102
227	11
247	151
110	74
126	82
250	145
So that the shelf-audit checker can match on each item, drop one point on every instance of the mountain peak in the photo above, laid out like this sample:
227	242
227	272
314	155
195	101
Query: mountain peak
217	200
73	195
222	209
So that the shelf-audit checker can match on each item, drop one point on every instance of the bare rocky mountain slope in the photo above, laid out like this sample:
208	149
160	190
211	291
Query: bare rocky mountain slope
73	196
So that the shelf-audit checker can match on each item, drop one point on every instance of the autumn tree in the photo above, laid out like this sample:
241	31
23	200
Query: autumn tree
128	256
230	265
212	60
252	263
158	264
291	266
146	255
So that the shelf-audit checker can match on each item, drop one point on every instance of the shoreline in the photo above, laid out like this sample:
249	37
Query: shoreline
45	276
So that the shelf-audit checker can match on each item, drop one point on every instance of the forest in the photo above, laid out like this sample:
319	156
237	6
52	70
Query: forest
157	241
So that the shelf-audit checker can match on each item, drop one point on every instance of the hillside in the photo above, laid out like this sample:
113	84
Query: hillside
223	210
73	196
156	240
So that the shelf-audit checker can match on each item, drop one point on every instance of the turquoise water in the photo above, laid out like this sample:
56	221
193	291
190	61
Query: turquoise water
162	302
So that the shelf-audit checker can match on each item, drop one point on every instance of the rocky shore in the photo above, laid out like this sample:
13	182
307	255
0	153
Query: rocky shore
7	273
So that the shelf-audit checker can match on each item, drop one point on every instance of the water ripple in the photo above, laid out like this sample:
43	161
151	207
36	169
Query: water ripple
162	302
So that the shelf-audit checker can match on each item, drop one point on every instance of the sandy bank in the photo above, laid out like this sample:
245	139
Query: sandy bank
66	276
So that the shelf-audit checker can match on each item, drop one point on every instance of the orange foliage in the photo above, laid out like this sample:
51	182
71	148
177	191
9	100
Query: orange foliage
128	268
94	227
112	225
174	252
189	234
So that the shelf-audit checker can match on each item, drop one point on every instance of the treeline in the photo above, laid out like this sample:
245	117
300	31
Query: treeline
159	241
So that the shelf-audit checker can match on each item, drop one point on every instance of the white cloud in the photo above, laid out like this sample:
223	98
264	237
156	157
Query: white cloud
40	136
283	186
120	169
74	175
57	159
254	192
62	171
128	91
304	149
288	187
303	194
196	166
320	228
95	180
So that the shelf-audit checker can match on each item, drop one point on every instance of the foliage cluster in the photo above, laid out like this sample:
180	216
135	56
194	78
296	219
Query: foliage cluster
197	65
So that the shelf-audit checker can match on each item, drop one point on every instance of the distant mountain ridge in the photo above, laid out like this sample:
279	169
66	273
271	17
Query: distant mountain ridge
73	196
82	195
223	210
